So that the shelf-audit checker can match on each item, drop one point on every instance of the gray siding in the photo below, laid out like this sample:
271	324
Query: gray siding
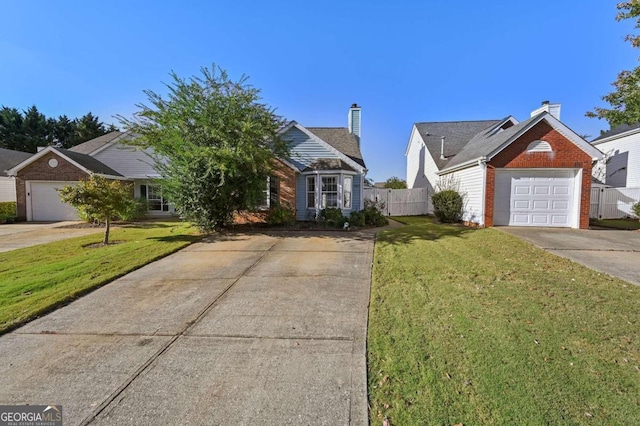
129	161
305	150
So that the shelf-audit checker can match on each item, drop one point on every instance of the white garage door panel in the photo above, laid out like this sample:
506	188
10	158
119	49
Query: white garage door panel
46	204
534	197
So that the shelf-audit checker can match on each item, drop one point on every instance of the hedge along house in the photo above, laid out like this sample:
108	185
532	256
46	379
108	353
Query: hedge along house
531	173
38	177
327	166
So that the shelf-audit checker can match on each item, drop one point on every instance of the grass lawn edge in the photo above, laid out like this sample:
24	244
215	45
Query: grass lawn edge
78	294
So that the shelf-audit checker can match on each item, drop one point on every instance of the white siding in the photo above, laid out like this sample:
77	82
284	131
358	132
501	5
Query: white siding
421	169
470	185
623	168
129	161
7	189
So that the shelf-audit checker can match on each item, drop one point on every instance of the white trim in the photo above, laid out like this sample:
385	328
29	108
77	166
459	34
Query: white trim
617	136
413	130
306	193
510	118
312	136
585	146
461	166
577	201
13	171
483	196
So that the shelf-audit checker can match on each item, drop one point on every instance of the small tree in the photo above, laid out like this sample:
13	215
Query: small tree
99	198
215	143
395	183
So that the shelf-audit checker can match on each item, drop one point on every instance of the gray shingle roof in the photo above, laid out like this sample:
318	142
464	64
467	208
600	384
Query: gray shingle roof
340	138
484	143
623	128
457	134
91	145
10	158
89	162
328	164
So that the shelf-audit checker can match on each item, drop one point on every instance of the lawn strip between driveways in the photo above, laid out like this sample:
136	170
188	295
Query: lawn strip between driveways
38	279
474	326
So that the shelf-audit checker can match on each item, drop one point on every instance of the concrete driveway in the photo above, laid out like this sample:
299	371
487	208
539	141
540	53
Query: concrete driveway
614	252
26	234
243	329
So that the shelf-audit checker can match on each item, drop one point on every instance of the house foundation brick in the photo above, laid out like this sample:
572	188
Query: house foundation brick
287	183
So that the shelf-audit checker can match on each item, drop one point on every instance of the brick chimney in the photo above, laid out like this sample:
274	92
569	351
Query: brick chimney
553	109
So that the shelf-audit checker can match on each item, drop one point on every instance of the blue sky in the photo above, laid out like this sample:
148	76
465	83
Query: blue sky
402	61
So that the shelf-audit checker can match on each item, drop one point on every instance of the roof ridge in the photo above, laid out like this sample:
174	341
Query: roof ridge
458	121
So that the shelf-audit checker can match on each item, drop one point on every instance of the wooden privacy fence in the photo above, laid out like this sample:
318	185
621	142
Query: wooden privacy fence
401	202
613	203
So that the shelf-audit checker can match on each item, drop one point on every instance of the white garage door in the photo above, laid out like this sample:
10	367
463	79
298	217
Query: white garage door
46	204
535	198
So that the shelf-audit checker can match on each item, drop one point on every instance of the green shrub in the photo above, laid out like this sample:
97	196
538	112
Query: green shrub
332	217
636	209
447	206
7	218
356	219
8	208
373	213
280	215
136	209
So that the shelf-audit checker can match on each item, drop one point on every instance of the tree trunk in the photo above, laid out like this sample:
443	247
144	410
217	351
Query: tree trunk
106	230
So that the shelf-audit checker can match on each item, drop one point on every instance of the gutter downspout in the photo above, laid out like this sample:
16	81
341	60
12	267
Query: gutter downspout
482	162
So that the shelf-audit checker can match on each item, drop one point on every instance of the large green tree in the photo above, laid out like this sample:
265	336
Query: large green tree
27	130
215	143
625	99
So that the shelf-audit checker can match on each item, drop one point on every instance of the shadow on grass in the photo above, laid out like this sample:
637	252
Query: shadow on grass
423	228
178	238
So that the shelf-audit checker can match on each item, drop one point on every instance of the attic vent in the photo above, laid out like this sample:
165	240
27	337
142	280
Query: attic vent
539	146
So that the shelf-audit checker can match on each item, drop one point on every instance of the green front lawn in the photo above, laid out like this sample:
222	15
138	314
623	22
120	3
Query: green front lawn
628	224
37	279
480	328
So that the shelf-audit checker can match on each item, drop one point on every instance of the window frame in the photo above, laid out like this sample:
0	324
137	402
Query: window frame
323	198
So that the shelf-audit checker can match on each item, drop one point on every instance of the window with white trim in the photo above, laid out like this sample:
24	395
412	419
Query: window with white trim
311	192
347	184
329	194
155	200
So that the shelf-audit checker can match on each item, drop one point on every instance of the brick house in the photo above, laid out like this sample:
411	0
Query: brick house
324	169
531	173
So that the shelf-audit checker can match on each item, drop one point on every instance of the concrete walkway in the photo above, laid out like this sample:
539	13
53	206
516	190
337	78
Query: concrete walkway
242	329
20	235
613	252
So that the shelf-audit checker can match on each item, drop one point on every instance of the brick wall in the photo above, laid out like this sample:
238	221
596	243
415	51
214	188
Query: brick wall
40	170
565	155
287	183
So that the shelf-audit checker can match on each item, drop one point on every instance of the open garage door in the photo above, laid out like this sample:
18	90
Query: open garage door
527	197
46	204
